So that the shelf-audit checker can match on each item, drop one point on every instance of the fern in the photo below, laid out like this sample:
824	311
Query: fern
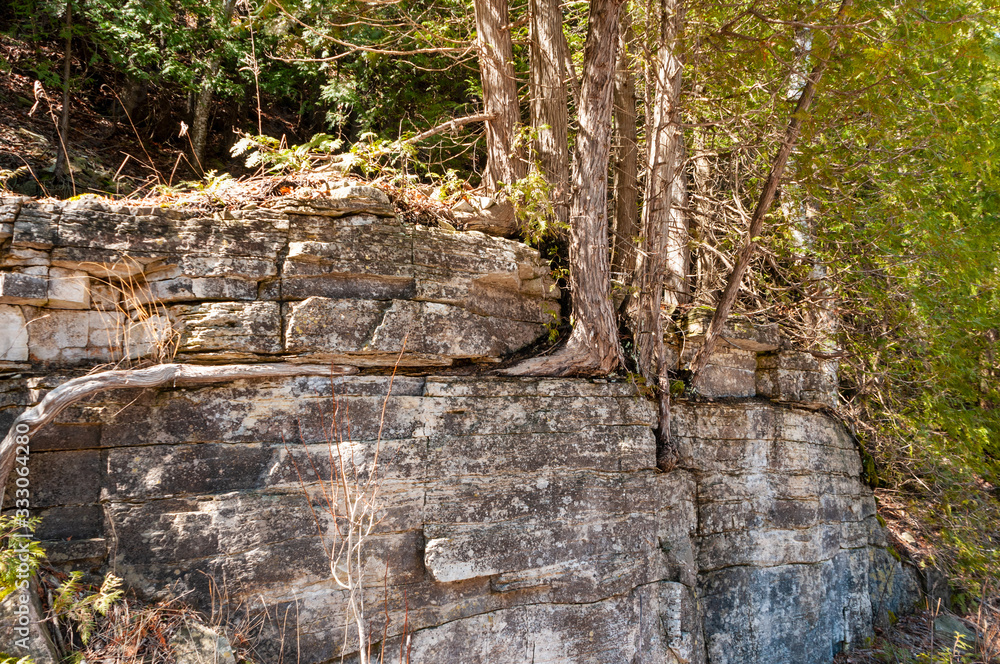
12	546
71	602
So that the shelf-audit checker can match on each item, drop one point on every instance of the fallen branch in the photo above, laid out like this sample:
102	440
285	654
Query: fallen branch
450	125
70	392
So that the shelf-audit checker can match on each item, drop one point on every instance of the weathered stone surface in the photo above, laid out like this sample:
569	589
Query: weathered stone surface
784	532
19	288
797	376
231	329
194	643
106	264
439	329
222	275
748	611
9	207
954	634
528	508
731	371
22	257
894	587
485	275
186	289
234	505
517	519
54	332
14	398
349	200
23	631
35	225
737	332
13	334
68	289
324	325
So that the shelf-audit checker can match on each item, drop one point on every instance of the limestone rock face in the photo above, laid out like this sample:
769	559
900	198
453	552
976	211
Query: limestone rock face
787	533
512	520
249	284
516	517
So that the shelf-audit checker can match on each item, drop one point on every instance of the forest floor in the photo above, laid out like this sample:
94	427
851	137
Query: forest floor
28	140
110	155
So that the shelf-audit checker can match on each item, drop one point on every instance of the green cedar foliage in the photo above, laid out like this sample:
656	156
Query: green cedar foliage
902	160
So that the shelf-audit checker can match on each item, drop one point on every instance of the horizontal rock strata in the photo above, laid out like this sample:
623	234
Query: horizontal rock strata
519	518
515	520
332	279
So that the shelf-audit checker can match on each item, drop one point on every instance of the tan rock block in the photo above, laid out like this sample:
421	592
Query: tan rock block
231	327
68	289
150	336
105	329
104	296
13	334
24	257
53	331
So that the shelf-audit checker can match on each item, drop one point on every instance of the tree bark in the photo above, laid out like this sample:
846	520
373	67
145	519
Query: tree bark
593	347
202	111
549	102
203	103
626	164
62	150
70	392
496	67
661	264
749	248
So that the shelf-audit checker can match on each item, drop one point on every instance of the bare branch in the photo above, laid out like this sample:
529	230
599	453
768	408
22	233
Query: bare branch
749	248
450	125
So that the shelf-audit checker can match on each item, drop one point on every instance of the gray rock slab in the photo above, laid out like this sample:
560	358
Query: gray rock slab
23	632
17	288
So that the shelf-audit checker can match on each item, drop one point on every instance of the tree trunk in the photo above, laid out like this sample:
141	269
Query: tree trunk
496	66
202	111
549	102
626	165
62	150
662	261
203	103
593	347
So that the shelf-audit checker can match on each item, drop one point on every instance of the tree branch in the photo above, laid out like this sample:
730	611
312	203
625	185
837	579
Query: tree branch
450	125
749	248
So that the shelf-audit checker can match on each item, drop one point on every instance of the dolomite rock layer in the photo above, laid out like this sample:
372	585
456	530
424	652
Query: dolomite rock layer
519	520
337	279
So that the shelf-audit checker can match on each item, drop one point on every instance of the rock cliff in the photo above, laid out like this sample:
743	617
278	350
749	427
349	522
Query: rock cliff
518	520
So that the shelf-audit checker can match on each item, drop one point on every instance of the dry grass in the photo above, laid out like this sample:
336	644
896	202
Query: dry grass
139	329
912	640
